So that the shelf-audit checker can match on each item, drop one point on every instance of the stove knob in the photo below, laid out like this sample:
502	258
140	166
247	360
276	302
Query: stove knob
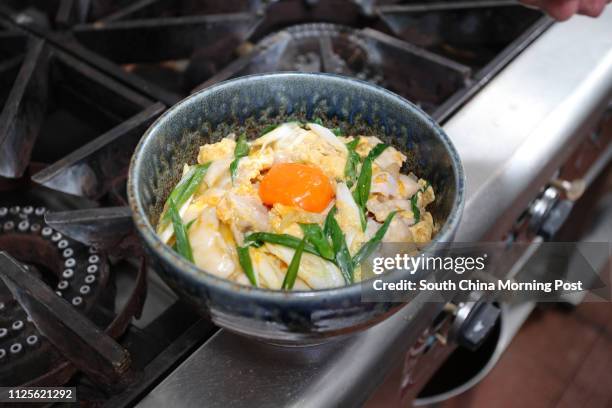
540	207
556	219
573	189
474	324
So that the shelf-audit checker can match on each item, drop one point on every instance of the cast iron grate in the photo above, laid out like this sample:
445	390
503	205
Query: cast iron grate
422	77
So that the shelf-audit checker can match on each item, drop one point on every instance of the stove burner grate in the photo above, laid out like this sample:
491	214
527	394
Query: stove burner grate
367	54
77	273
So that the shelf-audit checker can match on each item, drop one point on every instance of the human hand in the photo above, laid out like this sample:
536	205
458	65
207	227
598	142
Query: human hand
563	9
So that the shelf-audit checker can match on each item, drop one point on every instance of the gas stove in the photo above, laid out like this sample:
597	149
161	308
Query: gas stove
82	80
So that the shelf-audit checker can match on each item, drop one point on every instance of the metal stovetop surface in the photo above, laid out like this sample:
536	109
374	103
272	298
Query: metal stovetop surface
512	136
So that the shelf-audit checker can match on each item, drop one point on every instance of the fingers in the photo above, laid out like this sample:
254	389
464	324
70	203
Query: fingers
561	9
564	9
592	8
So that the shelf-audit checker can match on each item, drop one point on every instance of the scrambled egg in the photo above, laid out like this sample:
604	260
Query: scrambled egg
215	151
228	206
284	219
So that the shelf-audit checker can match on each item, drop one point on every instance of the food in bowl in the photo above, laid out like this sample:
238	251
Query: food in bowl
298	208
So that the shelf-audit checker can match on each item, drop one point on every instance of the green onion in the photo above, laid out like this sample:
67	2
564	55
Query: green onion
328	221
314	235
337	131
364	182
186	187
352	161
377	151
287	240
294	266
190	223
245	262
180	232
343	257
369	247
241	150
187	227
317	121
415	208
268	129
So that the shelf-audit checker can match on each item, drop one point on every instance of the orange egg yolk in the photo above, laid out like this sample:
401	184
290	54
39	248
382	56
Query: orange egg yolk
297	185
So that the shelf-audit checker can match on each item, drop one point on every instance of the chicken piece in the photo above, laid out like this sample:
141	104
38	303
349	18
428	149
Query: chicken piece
372	228
426	196
348	217
269	270
422	231
385	184
308	147
243	213
284	217
382	207
390	160
281	134
408	185
365	144
327	135
251	167
212	251
218	174
216	151
399	229
316	272
209	197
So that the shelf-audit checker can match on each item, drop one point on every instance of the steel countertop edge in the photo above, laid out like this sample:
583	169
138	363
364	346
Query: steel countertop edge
506	136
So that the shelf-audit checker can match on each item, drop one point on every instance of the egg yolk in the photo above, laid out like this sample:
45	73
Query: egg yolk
298	185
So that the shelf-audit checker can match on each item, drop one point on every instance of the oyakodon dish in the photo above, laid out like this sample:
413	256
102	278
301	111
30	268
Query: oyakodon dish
298	208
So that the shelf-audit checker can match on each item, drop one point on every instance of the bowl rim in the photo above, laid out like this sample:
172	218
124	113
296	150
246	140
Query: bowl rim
197	276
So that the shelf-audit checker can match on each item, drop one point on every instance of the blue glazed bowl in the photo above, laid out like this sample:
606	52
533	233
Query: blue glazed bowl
253	102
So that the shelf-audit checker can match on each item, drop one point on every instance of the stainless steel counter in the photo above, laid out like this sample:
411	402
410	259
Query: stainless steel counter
512	136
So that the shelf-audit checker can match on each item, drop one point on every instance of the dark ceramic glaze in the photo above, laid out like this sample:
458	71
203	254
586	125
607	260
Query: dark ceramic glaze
252	102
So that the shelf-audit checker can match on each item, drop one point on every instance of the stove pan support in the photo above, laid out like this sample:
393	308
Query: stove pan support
71	12
92	170
81	342
182	51
107	229
153	46
30	22
162	39
55	94
142	9
425	78
421	76
24	109
485	35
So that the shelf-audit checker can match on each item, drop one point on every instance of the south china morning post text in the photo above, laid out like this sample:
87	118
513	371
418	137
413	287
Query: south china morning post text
399	275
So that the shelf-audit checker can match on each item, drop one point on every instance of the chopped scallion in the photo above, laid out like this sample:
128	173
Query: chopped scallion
294	266
369	247
183	247
244	257
342	255
241	150
256	238
314	235
415	208
364	182
186	187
